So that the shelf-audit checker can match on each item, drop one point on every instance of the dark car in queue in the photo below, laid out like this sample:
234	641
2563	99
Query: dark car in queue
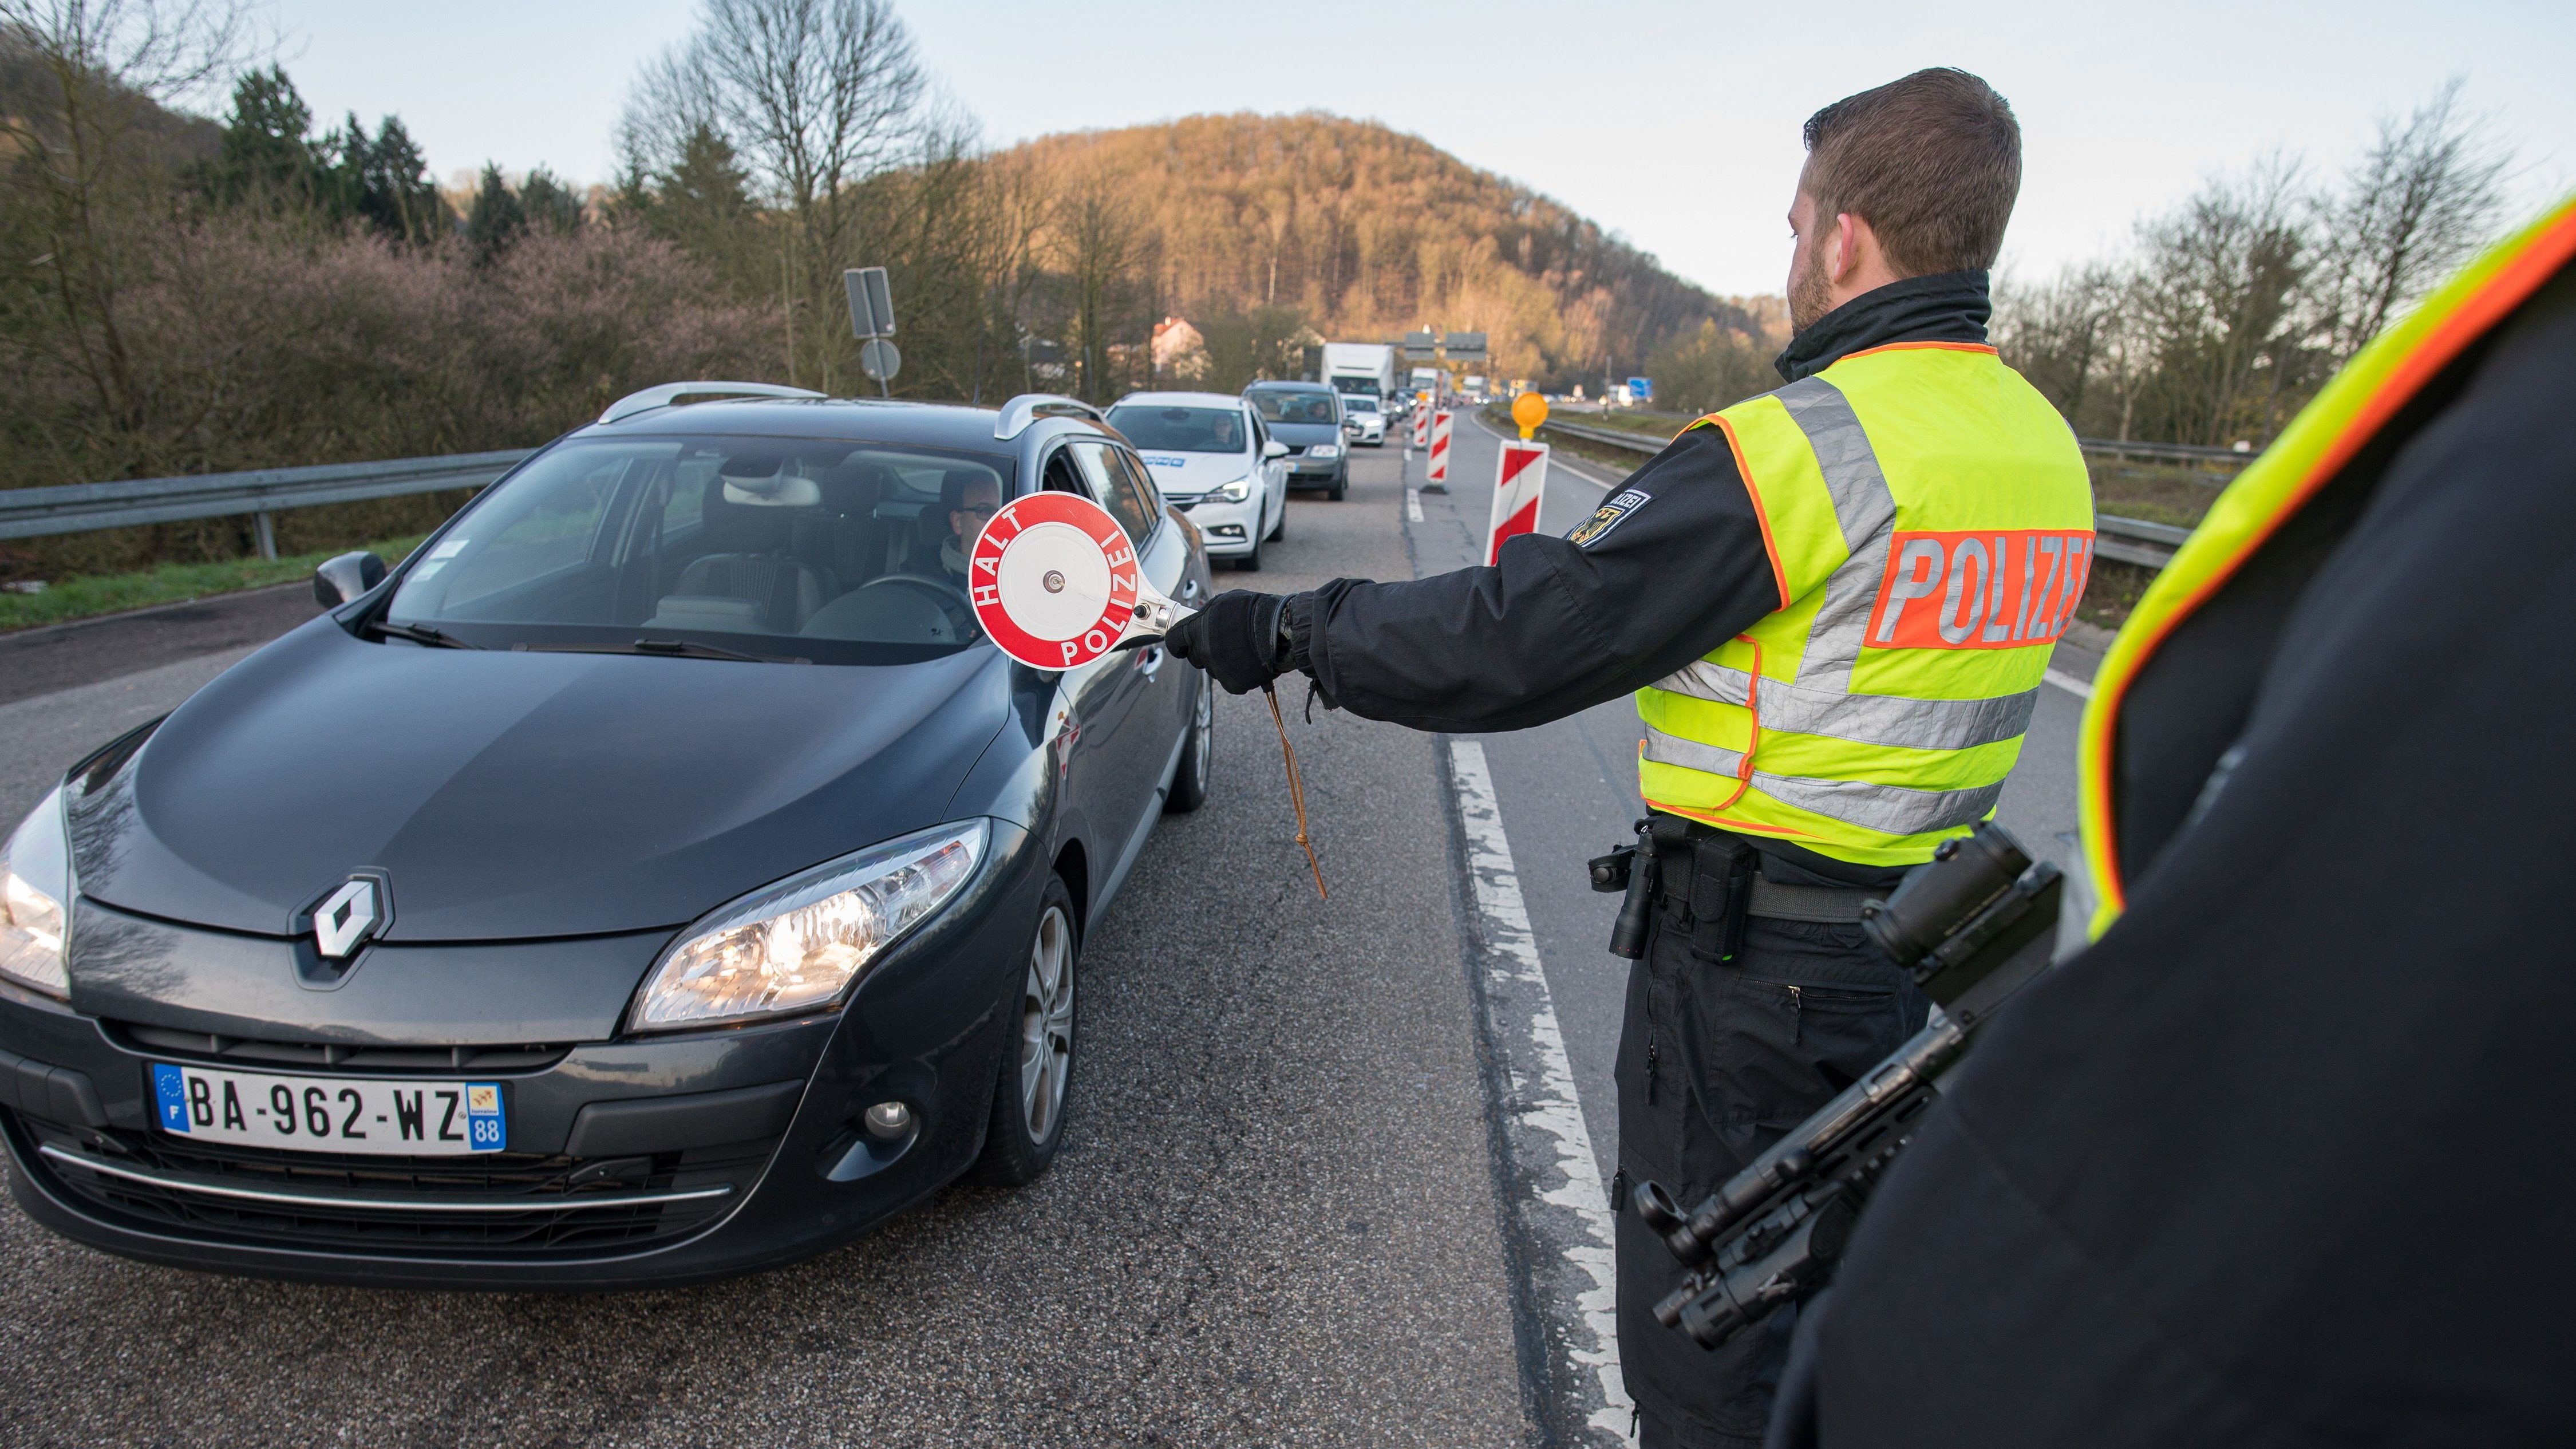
1307	416
654	878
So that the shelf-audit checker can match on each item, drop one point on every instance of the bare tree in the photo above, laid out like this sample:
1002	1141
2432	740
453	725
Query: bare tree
2427	192
816	97
2218	298
84	151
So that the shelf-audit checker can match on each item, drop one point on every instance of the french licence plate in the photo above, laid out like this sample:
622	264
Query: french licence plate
310	1114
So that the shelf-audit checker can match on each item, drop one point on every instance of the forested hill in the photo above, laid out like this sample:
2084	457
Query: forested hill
1366	232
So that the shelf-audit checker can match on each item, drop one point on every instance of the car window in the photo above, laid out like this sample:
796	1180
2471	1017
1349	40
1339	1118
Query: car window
1296	407
842	547
1103	478
1141	480
533	533
1158	428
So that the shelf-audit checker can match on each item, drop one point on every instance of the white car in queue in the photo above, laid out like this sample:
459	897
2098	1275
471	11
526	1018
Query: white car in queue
1362	420
1213	460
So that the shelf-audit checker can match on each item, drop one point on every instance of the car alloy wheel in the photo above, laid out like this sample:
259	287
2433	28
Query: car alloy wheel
1190	780
1046	1026
1036	1076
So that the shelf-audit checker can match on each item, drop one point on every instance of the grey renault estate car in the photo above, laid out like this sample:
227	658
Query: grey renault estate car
656	877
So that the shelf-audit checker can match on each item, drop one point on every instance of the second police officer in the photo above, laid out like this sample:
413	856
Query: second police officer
1834	604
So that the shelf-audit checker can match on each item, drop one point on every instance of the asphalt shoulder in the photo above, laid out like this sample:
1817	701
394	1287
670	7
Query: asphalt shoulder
88	651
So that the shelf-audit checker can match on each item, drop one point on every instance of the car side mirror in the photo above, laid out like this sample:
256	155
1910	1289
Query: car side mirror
346	577
1274	449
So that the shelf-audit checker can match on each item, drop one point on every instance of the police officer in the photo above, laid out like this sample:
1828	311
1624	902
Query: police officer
1834	604
2282	1159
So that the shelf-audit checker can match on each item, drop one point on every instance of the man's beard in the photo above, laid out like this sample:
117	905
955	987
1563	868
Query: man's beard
1811	294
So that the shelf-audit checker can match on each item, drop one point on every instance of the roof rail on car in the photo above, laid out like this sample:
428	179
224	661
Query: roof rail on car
1028	407
670	393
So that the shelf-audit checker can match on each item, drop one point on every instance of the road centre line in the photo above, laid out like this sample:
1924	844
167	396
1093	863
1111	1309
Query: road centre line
1544	1100
1413	504
2070	683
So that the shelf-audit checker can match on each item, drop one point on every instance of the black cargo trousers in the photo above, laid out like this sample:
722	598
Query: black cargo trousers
1718	1058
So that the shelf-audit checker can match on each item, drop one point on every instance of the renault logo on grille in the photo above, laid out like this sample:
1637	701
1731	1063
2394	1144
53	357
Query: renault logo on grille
348	918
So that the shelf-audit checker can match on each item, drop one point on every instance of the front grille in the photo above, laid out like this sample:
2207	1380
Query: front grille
555	1223
239	1051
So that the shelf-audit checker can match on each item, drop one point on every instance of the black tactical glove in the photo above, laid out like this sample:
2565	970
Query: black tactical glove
1236	639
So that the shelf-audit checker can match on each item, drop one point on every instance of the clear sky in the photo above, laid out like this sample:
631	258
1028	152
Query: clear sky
1674	124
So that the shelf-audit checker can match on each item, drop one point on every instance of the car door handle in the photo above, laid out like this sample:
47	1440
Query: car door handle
1189	591
1149	660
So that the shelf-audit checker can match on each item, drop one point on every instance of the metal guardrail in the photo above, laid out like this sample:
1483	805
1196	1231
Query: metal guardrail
2129	540
77	507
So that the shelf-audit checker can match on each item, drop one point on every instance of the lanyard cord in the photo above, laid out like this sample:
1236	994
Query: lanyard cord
1296	790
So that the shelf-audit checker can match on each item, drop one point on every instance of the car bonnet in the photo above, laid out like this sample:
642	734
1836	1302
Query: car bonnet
1187	476
519	795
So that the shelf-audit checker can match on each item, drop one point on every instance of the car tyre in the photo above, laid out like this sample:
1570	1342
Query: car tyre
1279	530
1250	563
1341	486
1036	1079
1198	756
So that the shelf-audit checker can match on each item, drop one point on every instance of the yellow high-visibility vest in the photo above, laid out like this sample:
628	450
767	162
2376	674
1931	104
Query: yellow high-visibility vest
2351	411
1930	527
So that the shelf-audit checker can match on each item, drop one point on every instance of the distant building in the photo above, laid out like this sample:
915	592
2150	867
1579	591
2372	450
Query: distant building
1180	353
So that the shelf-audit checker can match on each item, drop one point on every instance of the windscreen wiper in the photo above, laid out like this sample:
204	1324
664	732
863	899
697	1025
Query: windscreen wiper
420	634
675	648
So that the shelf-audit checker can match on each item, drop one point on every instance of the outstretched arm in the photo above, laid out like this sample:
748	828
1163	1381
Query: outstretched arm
1673	564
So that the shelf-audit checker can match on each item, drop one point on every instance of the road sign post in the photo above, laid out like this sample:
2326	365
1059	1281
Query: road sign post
872	321
1436	476
1520	481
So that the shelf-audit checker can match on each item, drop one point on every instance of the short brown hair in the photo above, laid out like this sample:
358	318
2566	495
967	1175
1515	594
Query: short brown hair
1932	162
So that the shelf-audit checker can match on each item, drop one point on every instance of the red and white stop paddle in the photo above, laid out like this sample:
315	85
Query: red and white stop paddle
1055	583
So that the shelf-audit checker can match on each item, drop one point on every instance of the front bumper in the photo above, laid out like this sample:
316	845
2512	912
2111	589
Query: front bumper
1305	472
633	1162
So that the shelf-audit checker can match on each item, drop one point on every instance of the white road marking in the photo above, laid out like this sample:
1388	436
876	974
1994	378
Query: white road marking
1413	504
2070	684
1546	1098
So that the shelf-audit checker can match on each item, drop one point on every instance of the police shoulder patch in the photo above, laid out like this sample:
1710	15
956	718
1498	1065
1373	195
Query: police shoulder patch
1606	518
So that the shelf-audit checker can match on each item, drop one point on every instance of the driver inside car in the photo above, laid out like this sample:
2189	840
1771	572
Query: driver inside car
970	503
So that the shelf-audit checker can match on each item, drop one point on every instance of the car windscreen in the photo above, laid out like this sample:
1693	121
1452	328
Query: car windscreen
1358	402
1295	407
773	547
1159	429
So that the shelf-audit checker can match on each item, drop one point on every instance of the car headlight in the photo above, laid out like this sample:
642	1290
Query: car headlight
796	945
35	885
1324	450
1236	491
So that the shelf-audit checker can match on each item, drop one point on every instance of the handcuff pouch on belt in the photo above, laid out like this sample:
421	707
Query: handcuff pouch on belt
1704	879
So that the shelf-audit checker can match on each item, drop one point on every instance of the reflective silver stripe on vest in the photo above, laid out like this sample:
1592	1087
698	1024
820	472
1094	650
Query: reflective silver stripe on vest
1870	719
1892	809
1864	507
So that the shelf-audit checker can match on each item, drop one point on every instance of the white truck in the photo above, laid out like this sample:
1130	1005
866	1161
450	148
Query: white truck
1361	367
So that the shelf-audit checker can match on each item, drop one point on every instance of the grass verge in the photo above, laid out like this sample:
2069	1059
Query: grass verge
85	595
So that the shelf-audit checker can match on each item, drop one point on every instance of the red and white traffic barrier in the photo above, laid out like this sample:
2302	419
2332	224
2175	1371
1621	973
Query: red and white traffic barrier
1437	475
1422	422
1520	479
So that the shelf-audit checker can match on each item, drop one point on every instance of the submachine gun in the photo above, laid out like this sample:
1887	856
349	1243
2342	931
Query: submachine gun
1972	926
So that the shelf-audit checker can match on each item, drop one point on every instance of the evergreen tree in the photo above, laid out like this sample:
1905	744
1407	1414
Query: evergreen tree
497	217
549	203
266	155
705	195
385	182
